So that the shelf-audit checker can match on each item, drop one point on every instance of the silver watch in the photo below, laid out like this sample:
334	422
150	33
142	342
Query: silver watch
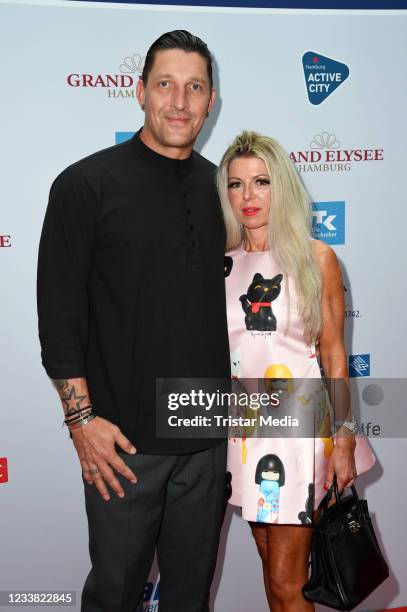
351	425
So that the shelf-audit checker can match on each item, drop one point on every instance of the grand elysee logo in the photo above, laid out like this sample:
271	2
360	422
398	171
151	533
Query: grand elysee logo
322	76
5	240
115	85
325	154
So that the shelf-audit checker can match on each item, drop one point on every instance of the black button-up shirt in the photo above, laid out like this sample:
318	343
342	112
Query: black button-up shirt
130	282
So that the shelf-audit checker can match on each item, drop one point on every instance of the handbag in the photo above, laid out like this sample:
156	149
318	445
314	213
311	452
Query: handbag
346	561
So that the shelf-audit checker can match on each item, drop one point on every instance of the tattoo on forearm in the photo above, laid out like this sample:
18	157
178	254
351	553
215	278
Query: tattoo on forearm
68	393
61	383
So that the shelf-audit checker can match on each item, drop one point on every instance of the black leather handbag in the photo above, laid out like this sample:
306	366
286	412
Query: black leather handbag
346	561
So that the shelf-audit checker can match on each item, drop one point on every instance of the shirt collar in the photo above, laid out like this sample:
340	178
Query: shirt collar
175	165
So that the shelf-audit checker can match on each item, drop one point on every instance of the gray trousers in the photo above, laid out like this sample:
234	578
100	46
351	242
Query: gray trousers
176	507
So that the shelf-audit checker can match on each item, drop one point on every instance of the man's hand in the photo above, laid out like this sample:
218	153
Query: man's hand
95	445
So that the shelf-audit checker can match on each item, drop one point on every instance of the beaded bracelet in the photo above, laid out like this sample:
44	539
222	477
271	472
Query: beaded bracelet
67	416
78	416
84	420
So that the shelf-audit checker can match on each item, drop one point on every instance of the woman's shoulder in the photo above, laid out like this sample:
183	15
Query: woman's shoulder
328	262
323	252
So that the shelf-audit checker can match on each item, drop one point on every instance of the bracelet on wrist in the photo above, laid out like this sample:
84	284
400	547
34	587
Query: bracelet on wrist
74	412
350	426
78	415
82	421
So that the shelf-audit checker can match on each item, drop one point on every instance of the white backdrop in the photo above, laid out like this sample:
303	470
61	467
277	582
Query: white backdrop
47	124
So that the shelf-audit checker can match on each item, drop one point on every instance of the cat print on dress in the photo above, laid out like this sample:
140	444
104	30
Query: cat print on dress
280	360
270	476
257	302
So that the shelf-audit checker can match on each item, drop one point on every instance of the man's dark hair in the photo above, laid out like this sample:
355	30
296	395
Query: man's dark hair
178	39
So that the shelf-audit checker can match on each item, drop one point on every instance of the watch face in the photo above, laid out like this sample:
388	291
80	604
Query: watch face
351	425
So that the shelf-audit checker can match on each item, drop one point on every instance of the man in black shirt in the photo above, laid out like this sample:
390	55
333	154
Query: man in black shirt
131	289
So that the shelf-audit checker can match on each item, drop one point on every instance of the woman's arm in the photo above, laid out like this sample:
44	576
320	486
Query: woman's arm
334	363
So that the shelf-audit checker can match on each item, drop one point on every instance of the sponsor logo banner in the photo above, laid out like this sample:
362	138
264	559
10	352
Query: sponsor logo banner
123	136
5	240
120	83
3	470
307	4
151	596
359	365
323	76
326	154
328	222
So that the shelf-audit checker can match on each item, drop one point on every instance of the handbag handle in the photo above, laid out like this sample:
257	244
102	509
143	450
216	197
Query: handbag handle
334	489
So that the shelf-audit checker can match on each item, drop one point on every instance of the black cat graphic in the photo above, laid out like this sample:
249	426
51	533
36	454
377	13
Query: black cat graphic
257	302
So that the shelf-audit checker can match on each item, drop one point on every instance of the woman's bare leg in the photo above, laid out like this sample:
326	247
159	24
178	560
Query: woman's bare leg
284	550
259	531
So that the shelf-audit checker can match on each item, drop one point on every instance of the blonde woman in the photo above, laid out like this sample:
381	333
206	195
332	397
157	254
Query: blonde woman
285	304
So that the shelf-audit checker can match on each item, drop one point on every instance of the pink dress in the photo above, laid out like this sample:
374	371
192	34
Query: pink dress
277	479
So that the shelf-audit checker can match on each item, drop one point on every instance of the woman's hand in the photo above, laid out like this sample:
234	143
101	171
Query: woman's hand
342	463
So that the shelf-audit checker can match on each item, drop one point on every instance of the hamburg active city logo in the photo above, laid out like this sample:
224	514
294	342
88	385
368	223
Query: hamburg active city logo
323	76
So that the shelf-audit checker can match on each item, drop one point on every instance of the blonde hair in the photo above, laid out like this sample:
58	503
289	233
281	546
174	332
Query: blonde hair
289	225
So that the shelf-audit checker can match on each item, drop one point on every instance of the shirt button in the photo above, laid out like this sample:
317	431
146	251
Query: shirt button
193	244
191	227
185	194
188	211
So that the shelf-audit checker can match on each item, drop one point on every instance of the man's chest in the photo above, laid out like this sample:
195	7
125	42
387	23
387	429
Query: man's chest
158	210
